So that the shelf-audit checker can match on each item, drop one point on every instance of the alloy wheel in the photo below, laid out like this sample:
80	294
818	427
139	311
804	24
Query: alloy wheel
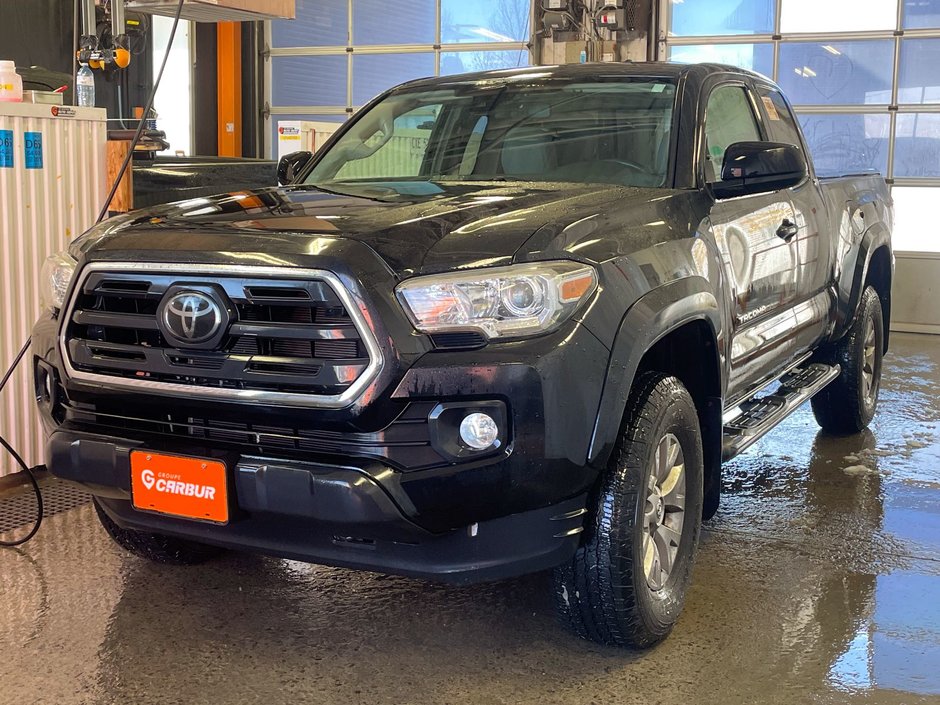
869	383
664	512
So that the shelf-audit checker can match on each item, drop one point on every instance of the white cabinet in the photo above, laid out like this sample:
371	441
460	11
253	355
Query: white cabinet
52	185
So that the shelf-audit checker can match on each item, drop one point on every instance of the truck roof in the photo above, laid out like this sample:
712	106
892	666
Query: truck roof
696	72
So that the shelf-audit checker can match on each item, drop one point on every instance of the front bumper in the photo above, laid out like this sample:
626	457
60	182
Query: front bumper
334	515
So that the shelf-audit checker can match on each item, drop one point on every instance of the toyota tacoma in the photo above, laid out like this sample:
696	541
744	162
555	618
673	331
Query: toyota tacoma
500	323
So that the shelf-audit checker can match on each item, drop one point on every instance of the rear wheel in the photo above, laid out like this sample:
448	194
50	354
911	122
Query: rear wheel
847	404
626	584
157	547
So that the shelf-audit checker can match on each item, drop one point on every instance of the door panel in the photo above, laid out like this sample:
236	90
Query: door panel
773	342
813	244
760	269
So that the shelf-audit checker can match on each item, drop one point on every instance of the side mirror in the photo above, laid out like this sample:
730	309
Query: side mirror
759	167
290	165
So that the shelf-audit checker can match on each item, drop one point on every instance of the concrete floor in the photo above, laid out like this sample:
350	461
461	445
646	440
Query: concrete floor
818	582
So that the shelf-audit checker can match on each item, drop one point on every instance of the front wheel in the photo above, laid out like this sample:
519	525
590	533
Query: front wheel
156	547
626	584
847	404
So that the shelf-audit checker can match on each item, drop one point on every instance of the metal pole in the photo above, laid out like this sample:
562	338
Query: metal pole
118	26
76	22
89	24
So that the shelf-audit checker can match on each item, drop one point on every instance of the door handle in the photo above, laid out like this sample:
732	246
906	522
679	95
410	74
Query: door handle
788	230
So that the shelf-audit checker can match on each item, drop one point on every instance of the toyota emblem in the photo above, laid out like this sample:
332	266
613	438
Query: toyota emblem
191	317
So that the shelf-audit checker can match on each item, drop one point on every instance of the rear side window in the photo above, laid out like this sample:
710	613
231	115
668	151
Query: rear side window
728	119
780	121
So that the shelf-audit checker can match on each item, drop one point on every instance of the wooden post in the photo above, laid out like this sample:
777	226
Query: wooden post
123	200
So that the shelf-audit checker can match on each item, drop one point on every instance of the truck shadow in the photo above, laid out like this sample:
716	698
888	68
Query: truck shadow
247	628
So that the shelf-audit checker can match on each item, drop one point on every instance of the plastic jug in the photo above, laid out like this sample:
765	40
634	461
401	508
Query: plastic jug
11	85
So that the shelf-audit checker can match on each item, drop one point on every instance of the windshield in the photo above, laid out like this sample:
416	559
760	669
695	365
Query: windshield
602	131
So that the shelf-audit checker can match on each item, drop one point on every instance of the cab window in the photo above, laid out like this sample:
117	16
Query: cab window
729	118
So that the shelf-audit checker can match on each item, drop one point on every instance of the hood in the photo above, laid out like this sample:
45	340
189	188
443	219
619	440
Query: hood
415	227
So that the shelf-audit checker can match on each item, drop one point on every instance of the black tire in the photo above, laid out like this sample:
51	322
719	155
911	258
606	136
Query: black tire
603	593
157	547
847	404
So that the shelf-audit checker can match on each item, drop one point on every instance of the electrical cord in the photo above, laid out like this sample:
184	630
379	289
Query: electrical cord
35	483
30	474
19	460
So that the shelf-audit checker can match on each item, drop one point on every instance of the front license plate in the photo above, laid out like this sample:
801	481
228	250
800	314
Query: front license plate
193	488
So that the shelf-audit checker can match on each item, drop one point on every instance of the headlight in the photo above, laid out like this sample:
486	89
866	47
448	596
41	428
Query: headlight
501	302
56	274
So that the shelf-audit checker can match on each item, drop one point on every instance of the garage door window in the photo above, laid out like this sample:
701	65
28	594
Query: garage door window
484	21
753	57
837	73
721	17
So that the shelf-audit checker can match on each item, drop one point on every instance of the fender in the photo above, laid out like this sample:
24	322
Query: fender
654	315
850	292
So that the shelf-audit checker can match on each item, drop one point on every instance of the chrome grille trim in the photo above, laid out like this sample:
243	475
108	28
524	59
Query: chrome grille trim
288	399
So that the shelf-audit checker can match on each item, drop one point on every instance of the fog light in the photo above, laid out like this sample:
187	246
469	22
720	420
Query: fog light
479	431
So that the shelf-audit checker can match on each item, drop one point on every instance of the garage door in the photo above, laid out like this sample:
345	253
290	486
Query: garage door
862	75
338	54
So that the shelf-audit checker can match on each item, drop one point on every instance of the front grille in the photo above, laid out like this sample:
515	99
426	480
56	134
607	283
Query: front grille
286	337
404	443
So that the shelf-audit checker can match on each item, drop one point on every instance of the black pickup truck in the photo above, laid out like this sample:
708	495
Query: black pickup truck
502	322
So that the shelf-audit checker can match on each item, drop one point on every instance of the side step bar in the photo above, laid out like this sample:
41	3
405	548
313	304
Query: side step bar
758	415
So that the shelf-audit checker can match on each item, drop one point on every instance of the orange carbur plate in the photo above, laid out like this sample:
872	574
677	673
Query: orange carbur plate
193	488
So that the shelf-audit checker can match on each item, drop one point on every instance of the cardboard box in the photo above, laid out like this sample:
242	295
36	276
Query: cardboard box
218	10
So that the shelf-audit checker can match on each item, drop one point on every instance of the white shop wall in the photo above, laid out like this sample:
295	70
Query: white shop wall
338	54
